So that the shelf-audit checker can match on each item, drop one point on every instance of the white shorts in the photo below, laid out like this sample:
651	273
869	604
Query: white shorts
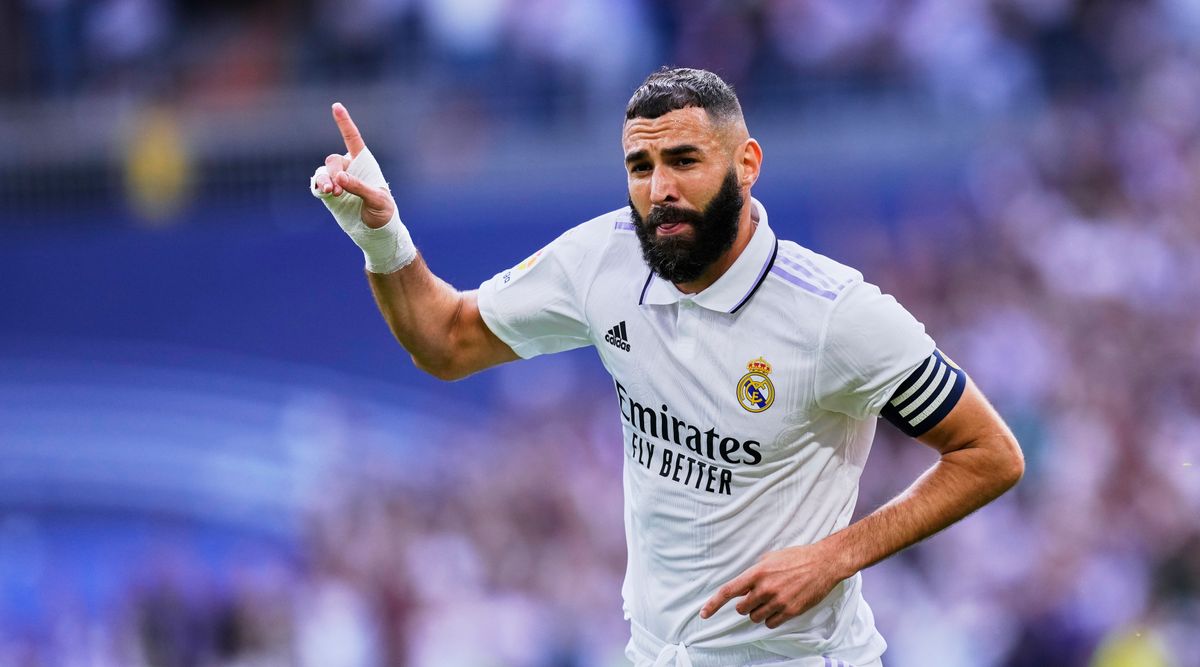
775	661
642	653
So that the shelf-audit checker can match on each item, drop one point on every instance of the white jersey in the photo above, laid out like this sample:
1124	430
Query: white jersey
748	411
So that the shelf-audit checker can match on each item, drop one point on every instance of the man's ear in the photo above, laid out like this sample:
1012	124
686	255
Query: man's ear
749	162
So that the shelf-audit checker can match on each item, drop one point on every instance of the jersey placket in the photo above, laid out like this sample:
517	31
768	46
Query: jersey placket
686	327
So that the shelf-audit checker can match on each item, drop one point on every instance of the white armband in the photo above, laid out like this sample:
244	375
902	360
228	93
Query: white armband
386	249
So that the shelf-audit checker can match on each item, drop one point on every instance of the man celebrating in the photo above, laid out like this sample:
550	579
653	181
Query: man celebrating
749	373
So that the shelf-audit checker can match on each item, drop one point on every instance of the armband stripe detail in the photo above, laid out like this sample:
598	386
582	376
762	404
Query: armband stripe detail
911	386
937	402
942	371
937	385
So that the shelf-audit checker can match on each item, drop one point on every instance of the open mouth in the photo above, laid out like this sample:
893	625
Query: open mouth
668	228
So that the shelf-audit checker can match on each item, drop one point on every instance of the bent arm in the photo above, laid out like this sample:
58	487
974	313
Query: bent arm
439	326
980	460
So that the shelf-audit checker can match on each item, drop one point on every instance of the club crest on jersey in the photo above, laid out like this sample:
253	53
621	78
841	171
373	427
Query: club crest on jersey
755	391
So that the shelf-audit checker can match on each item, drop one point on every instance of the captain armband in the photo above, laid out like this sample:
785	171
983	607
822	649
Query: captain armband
926	396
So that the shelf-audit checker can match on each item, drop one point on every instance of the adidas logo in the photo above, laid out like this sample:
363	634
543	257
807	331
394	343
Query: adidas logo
617	337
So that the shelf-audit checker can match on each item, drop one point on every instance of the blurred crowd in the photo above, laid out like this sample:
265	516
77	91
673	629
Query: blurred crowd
1064	279
995	53
1062	273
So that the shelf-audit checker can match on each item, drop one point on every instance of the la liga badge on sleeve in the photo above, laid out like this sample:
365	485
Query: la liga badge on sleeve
755	391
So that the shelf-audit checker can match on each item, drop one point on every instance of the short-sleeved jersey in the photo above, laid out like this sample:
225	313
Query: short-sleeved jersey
748	411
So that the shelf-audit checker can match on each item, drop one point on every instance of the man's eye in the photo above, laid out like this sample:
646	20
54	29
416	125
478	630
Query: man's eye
639	168
685	161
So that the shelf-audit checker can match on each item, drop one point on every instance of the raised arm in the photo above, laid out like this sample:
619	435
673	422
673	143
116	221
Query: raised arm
438	325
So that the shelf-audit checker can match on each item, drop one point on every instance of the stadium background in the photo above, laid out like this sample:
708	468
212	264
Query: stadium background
211	452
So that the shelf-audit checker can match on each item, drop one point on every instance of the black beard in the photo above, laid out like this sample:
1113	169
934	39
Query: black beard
680	259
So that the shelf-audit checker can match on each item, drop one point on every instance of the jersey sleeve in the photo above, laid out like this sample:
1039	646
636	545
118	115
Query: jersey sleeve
870	347
536	307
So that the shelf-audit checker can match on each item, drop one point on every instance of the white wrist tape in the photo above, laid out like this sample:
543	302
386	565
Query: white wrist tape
386	249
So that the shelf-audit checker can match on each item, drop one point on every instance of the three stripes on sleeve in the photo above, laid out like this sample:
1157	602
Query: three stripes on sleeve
926	396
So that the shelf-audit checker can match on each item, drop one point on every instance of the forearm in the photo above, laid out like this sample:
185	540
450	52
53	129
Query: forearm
960	482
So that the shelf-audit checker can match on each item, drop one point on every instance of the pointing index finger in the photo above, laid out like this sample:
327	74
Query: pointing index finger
354	140
737	587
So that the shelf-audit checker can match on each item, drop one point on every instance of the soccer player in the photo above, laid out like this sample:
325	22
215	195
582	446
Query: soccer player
749	374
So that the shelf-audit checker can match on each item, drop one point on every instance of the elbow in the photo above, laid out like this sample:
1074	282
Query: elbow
447	367
1012	469
438	358
447	354
441	368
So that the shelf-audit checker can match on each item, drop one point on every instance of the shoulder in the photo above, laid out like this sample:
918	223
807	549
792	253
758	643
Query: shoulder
579	254
836	295
601	230
854	313
813	276
588	243
605	241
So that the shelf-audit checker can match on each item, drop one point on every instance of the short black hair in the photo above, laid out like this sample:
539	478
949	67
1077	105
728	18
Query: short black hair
669	89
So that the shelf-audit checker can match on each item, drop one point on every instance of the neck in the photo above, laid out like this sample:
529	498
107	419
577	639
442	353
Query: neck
747	223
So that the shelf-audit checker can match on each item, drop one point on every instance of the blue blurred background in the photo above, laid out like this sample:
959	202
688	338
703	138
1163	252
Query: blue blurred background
213	454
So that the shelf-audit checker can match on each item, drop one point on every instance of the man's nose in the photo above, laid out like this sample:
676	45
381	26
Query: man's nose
663	188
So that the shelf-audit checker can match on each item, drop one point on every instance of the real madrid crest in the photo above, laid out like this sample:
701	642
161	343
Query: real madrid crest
755	391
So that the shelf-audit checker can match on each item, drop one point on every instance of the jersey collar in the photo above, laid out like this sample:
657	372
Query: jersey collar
735	287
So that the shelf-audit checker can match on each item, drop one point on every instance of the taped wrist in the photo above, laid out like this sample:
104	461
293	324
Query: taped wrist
386	249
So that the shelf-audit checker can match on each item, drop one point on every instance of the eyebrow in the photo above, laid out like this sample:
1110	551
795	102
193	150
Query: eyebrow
673	151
